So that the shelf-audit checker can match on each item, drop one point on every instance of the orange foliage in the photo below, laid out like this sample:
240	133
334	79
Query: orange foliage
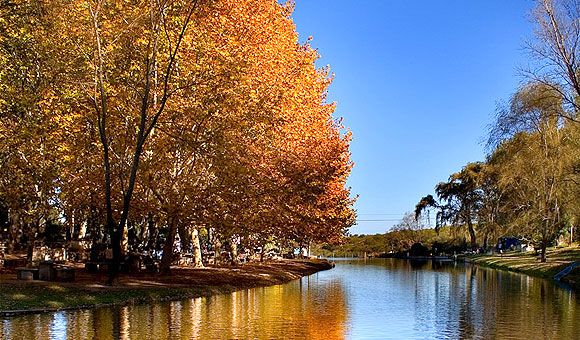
245	142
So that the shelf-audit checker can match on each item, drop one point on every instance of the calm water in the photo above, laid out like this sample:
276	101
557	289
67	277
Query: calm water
373	299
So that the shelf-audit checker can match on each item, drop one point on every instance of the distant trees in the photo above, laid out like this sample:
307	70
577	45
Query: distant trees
532	162
399	241
529	184
461	196
408	222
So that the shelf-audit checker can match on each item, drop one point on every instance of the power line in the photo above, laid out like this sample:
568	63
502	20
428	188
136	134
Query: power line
385	214
382	220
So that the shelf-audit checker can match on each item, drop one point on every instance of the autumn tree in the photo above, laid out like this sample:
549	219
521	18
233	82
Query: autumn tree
130	76
264	94
175	116
291	161
33	120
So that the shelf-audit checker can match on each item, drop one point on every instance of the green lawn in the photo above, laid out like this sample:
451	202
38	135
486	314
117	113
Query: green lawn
56	296
529	263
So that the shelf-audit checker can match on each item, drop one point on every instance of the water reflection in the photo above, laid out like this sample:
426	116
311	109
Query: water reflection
447	300
379	299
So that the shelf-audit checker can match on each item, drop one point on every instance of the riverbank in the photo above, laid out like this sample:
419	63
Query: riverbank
529	263
90	291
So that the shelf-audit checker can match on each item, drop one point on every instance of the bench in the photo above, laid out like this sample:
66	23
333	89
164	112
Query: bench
23	273
46	271
65	274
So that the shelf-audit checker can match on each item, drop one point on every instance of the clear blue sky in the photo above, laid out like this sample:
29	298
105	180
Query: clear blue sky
417	83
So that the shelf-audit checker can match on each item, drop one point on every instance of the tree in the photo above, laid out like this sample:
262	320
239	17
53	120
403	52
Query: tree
133	72
462	194
33	122
531	162
557	52
462	198
173	116
570	134
494	211
430	202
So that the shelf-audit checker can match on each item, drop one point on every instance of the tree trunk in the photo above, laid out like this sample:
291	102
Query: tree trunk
472	237
184	238
125	239
151	233
485	241
30	247
543	253
116	260
262	252
12	237
234	251
95	234
544	244
197	260
167	258
217	247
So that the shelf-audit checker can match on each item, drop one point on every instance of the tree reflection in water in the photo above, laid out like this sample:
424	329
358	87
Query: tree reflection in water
375	298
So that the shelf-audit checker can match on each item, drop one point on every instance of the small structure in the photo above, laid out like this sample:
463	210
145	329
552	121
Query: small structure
64	274
46	271
508	243
23	273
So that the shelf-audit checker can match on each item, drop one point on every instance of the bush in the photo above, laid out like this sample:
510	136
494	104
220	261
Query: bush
417	249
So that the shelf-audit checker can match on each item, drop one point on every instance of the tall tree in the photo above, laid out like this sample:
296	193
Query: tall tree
133	71
462	194
531	161
556	52
33	121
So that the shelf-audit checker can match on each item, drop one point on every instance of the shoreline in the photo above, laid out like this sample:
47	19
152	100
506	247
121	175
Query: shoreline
89	291
527	263
553	270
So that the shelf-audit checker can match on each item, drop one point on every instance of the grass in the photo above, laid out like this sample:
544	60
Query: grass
529	263
17	298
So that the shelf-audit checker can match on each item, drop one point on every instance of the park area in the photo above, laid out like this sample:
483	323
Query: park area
90	289
557	260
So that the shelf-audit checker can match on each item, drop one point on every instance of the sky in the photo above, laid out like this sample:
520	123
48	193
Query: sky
417	83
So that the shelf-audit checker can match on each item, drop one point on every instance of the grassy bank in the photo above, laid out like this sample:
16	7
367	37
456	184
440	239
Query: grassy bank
529	263
89	290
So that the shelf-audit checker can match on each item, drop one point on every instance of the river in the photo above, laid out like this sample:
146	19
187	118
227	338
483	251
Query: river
359	299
